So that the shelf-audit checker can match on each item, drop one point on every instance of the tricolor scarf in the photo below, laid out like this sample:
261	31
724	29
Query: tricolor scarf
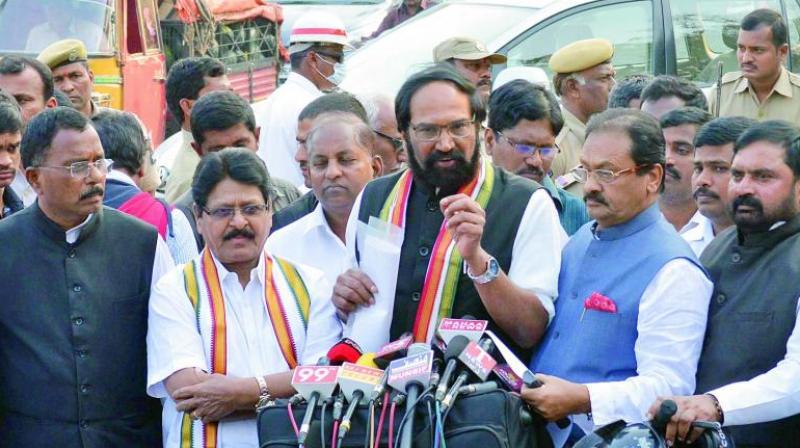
204	289
444	267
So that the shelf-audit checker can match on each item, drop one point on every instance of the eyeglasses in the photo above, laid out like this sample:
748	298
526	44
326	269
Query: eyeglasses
225	213
396	142
338	58
456	129
603	176
544	151
81	169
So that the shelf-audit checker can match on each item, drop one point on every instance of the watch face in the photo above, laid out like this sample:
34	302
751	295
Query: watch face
494	267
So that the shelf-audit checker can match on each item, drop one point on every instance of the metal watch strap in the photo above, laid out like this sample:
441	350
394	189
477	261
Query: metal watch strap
264	397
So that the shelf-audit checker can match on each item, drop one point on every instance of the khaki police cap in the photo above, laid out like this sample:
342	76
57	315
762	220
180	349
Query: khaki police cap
581	55
63	52
465	48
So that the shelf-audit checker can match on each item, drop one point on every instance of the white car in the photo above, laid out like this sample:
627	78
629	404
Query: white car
679	37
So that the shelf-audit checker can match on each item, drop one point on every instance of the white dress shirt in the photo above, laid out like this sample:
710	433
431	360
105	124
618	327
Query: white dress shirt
698	232
162	262
671	325
182	245
277	117
310	241
539	236
174	343
23	189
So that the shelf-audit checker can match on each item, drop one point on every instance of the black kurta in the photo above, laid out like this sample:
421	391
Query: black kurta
73	321
507	204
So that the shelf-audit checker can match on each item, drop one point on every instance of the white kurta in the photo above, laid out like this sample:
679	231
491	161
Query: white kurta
698	232
310	241
277	117
174	343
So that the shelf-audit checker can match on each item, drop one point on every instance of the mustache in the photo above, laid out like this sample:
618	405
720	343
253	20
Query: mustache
595	196
748	66
531	170
703	191
436	156
95	190
237	233
748	201
484	82
670	169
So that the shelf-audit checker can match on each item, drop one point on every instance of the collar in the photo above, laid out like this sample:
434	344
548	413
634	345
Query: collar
256	273
698	228
776	233
552	190
782	86
11	202
119	176
74	235
317	219
644	219
302	82
573	123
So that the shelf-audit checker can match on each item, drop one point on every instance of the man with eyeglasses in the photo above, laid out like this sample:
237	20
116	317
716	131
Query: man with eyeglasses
464	221
73	359
524	119
583	78
389	144
316	50
632	297
226	330
338	103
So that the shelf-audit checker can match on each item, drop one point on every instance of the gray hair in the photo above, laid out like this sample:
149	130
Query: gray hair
360	134
372	103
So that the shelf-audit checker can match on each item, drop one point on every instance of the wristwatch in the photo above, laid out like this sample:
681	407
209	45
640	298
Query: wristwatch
491	273
264	396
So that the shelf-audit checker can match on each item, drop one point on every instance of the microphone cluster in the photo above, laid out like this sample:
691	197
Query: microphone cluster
463	359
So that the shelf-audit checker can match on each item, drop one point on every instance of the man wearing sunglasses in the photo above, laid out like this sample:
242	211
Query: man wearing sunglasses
73	362
316	51
524	120
632	297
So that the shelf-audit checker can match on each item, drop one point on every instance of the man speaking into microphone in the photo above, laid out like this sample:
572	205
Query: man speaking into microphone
633	298
476	239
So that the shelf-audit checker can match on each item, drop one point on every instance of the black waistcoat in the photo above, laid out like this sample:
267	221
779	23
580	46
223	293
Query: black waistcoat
510	197
73	321
751	316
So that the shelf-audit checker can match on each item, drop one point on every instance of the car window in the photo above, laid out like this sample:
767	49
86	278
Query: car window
706	32
629	26
793	12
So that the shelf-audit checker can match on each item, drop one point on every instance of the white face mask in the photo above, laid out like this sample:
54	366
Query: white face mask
338	74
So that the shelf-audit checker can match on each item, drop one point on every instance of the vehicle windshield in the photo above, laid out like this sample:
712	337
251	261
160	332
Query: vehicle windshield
408	48
28	26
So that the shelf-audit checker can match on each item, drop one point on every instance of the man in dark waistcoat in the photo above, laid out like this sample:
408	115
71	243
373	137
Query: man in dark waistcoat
749	370
73	318
505	228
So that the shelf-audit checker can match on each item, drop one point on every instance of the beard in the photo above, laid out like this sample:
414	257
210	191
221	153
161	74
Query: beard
446	180
757	220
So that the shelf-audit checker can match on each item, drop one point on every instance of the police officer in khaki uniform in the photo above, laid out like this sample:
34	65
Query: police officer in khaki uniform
584	77
763	89
69	62
472	59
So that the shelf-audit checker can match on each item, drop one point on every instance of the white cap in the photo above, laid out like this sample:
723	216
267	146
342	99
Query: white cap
317	27
534	75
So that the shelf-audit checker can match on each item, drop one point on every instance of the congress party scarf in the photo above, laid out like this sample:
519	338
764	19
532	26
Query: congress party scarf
441	278
203	287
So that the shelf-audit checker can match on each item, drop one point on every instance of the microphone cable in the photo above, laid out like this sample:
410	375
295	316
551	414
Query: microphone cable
384	406
431	421
291	418
335	431
322	422
409	407
439	428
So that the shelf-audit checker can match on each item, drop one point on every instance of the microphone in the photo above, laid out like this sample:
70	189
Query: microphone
457	345
316	382
467	326
410	375
665	412
478	388
367	360
478	361
354	382
395	349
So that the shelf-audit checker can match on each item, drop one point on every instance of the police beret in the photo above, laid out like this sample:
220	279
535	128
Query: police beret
581	55
63	52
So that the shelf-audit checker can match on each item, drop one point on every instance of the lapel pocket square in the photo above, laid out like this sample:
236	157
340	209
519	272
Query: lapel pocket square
599	302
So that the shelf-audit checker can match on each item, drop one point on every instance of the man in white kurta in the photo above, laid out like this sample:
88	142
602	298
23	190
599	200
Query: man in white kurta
249	361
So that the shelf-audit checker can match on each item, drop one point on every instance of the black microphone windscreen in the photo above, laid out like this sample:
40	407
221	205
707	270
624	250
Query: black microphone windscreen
455	347
665	412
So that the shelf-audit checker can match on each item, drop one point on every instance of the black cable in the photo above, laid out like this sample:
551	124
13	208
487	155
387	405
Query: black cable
430	422
409	406
322	422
